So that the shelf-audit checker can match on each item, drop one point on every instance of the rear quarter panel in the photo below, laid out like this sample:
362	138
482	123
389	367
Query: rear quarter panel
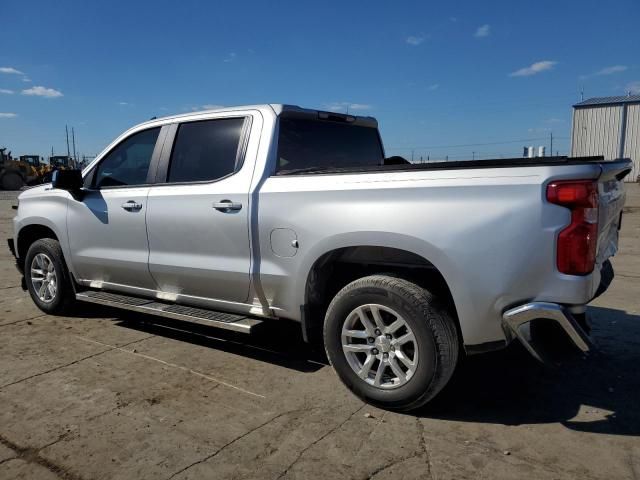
490	233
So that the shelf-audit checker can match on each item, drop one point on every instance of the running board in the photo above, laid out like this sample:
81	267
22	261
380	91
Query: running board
228	321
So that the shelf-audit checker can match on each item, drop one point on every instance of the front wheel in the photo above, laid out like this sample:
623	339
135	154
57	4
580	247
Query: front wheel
390	341
47	277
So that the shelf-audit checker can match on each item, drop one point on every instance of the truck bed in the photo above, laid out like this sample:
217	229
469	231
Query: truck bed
457	165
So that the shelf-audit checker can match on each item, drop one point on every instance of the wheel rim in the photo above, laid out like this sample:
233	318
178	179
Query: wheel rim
380	346
44	278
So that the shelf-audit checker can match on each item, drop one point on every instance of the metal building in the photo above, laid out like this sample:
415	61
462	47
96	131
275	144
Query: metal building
608	126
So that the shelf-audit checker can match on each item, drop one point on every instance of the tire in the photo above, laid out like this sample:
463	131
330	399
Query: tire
45	255
434	350
12	181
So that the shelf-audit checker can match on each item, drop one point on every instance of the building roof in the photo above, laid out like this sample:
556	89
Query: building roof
609	100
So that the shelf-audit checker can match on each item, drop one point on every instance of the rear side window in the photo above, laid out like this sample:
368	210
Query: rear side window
306	144
128	163
205	151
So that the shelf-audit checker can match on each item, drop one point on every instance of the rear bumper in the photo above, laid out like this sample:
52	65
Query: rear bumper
516	318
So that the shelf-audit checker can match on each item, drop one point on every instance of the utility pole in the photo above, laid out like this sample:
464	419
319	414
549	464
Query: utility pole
67	130
73	138
473	155
551	146
411	156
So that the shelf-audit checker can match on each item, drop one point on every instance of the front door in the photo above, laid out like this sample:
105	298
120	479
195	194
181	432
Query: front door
198	222
106	225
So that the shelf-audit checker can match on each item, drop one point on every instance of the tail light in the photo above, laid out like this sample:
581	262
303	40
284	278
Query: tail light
576	252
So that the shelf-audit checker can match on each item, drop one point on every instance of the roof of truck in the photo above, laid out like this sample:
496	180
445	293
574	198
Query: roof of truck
278	108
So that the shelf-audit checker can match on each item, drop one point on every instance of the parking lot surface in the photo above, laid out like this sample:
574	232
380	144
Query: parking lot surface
112	395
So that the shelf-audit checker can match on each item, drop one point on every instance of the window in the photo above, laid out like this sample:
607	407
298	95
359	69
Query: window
325	144
205	151
128	163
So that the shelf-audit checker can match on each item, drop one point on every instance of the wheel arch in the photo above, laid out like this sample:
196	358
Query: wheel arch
336	267
29	234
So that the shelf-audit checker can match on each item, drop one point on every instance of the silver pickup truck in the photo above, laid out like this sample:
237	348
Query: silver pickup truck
242	216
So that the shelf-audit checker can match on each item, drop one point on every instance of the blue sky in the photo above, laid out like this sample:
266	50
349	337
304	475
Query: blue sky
443	78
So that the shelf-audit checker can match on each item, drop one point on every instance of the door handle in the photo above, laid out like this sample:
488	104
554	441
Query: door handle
227	206
132	206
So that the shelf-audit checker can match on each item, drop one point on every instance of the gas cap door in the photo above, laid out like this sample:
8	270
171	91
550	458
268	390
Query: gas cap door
284	242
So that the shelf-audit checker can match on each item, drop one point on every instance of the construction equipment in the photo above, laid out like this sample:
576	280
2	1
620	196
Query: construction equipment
61	162
15	173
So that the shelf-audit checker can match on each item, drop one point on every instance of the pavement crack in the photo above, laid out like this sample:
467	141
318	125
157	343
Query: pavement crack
32	455
228	444
318	440
69	364
423	447
23	320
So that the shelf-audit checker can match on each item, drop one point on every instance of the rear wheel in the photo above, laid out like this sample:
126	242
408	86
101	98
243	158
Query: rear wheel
47	277
12	181
390	341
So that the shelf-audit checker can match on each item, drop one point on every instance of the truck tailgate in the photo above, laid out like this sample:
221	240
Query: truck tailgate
611	195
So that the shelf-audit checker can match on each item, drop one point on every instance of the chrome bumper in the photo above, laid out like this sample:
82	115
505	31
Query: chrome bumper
515	318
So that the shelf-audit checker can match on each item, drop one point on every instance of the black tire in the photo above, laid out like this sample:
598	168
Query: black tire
429	320
12	181
64	300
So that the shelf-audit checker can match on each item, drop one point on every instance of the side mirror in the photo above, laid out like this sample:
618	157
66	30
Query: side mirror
69	180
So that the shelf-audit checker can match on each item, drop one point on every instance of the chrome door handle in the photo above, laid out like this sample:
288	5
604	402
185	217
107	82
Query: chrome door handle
227	206
132	206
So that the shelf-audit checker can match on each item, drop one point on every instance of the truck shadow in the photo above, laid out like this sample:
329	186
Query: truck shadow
279	343
597	393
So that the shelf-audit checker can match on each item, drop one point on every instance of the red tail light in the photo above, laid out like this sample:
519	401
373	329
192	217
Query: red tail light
577	242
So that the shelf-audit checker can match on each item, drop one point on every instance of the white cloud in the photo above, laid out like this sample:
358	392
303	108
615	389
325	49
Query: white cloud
633	87
8	115
607	71
231	57
415	40
42	92
206	106
534	68
612	70
433	86
483	31
123	103
347	106
10	71
6	91
555	120
26	79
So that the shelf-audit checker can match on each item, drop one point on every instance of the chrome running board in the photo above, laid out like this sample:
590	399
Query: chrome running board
228	321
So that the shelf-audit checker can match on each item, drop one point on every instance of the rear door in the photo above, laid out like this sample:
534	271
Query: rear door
198	221
106	225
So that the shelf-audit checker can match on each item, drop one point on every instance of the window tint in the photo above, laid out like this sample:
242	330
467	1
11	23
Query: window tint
128	163
317	143
205	150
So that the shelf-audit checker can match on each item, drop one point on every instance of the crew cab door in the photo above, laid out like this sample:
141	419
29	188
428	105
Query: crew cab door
106	224
198	221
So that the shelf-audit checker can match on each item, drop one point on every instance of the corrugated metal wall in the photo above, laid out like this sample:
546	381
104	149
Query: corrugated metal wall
632	140
596	131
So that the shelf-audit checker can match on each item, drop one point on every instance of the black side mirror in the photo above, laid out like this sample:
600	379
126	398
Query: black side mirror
69	180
